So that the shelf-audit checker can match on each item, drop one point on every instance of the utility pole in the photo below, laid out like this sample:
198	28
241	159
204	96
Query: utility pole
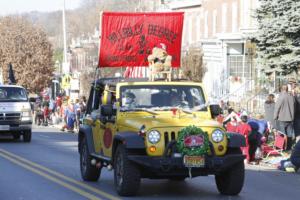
66	67
66	64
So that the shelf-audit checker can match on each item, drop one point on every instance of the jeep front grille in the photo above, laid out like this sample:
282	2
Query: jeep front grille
168	136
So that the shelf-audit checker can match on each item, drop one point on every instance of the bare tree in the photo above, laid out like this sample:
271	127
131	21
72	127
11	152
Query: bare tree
26	47
192	64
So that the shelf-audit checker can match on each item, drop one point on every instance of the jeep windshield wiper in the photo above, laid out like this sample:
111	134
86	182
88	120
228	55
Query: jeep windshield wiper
188	111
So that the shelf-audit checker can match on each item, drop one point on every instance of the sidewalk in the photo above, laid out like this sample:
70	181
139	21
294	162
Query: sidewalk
57	126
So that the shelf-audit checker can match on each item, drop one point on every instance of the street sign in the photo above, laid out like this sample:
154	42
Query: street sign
66	81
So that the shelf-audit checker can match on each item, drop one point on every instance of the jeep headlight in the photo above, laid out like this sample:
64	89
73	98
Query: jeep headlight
217	136
154	137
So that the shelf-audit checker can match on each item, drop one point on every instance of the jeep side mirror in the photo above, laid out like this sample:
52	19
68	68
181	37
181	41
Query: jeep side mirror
215	110
106	110
107	113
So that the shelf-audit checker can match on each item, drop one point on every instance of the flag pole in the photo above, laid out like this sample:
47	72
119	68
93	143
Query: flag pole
97	73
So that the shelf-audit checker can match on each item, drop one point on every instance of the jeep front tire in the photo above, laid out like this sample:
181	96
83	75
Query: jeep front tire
127	177
88	171
231	181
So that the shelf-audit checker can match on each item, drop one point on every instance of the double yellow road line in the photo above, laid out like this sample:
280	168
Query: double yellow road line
56	177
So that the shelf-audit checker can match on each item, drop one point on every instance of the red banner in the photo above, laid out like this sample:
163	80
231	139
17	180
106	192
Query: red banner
127	39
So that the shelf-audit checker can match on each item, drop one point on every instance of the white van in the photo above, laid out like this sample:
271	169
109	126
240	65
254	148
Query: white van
15	112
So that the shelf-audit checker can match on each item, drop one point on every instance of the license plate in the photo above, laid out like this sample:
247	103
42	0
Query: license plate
194	161
4	127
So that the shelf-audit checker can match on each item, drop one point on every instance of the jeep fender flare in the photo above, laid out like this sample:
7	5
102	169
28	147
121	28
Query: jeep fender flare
131	140
86	131
236	140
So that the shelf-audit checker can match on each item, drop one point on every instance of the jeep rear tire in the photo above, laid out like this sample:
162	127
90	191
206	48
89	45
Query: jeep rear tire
127	177
231	181
27	136
88	171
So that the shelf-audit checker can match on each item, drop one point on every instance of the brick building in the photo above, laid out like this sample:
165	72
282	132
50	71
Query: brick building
221	29
228	54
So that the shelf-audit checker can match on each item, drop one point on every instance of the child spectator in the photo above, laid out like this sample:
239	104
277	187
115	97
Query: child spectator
245	129
46	111
254	138
231	121
71	116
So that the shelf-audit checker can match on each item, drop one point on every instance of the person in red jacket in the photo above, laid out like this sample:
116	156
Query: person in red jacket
245	129
231	121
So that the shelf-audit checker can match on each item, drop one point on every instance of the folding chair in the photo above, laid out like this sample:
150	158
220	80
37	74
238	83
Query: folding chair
280	142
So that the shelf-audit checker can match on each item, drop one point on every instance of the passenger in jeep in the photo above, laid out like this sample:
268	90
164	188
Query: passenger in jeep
129	101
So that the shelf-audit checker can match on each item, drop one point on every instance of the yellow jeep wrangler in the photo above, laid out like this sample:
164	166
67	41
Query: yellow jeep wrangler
157	130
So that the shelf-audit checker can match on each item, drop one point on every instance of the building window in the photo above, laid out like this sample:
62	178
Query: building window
234	17
238	69
224	17
214	22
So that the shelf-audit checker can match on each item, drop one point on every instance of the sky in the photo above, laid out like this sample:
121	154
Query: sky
20	6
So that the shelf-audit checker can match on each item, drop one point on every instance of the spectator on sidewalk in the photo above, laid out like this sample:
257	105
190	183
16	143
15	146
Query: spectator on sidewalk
244	129
269	111
297	114
262	127
295	156
84	102
58	103
45	110
254	139
62	113
223	106
293	163
77	108
71	116
284	112
231	121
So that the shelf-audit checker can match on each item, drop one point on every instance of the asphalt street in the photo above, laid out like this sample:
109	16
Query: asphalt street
48	168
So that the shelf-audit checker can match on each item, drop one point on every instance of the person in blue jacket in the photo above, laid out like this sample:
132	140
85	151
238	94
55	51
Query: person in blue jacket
260	125
295	156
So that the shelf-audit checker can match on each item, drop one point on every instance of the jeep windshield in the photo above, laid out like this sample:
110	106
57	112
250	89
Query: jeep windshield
151	98
13	94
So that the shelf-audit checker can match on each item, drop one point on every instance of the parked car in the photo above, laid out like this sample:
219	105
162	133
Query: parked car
15	112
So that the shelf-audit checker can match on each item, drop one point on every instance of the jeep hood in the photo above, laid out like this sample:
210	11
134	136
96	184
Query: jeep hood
135	123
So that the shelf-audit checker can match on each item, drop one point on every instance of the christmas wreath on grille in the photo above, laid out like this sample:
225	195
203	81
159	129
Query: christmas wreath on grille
184	133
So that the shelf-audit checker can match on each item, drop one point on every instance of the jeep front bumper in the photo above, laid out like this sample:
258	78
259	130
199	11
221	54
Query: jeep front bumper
164	167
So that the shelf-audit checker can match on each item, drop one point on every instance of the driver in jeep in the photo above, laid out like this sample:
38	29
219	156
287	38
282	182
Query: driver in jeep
129	101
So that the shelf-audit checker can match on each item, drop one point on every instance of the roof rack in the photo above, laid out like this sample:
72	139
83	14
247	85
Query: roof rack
115	80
